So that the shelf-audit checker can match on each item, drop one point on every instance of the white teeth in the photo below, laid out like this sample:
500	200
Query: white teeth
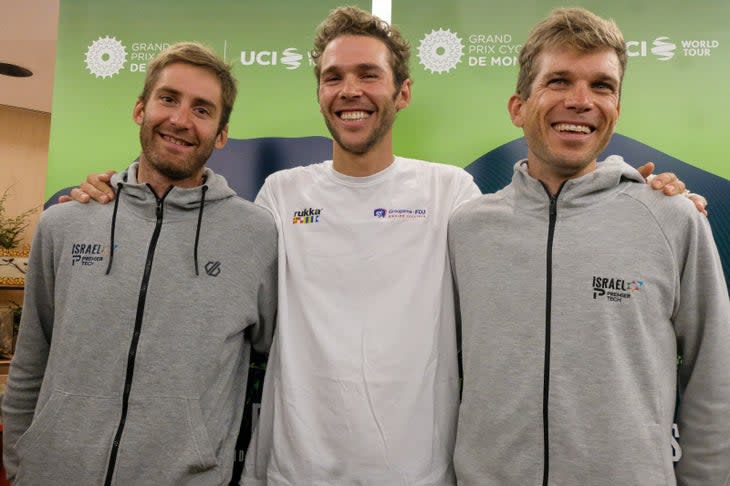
568	127
176	141
354	115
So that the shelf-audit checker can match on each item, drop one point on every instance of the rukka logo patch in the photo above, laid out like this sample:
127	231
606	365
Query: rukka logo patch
306	216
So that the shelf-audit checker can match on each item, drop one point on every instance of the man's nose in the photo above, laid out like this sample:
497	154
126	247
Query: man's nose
350	87
181	117
579	98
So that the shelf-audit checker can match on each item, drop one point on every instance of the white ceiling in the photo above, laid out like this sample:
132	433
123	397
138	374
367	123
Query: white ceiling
28	33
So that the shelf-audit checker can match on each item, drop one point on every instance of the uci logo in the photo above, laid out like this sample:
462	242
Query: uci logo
289	57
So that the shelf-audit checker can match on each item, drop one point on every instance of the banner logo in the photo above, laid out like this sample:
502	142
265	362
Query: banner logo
289	57
440	51
664	49
105	57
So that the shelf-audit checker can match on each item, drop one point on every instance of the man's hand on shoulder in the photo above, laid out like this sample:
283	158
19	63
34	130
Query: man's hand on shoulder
671	185
97	187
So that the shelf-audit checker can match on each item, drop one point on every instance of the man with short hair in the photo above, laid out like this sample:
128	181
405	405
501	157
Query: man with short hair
361	385
578	288
138	318
362	382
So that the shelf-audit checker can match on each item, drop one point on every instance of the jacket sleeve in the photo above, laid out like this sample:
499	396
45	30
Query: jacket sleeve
31	354
702	323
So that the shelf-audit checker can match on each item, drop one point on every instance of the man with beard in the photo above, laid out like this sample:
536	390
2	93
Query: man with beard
594	311
138	317
362	380
362	383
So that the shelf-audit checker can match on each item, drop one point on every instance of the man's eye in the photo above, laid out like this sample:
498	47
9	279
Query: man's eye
202	111
604	86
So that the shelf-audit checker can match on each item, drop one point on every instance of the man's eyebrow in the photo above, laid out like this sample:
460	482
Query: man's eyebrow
601	76
196	100
364	66
561	73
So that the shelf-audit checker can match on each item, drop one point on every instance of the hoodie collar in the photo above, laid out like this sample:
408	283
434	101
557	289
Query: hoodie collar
177	203
582	191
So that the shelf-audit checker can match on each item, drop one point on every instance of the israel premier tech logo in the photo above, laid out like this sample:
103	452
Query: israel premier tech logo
615	289
87	254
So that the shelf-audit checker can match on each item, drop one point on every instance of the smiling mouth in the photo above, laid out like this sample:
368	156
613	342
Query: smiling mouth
176	141
573	128
353	115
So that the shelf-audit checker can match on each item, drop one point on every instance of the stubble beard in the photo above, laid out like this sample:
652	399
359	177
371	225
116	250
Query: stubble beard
386	123
173	170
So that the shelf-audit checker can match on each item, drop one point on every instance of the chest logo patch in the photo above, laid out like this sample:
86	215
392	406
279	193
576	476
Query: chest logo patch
615	289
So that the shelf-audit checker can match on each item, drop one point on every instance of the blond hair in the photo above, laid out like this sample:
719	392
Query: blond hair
577	28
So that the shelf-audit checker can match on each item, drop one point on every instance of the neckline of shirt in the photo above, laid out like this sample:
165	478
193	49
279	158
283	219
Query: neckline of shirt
362	181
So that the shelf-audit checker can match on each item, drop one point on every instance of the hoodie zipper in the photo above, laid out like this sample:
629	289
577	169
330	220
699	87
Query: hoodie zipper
131	356
553	216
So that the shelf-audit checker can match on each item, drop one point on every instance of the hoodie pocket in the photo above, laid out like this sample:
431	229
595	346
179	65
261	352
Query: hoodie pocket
166	441
68	440
40	423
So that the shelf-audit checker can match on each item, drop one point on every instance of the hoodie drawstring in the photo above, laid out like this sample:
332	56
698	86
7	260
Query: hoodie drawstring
114	223
203	189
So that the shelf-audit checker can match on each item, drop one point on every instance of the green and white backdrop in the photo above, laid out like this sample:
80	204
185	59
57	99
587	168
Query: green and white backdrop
676	96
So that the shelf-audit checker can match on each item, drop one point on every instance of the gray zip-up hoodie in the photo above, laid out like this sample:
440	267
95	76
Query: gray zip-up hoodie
574	309
134	344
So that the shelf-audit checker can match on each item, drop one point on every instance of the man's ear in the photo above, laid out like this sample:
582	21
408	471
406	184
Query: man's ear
222	137
403	99
138	112
515	106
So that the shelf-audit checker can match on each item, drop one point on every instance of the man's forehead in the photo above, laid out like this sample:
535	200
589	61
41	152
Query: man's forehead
566	59
354	50
188	79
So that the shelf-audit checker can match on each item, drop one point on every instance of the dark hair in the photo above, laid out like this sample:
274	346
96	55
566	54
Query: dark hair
355	21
